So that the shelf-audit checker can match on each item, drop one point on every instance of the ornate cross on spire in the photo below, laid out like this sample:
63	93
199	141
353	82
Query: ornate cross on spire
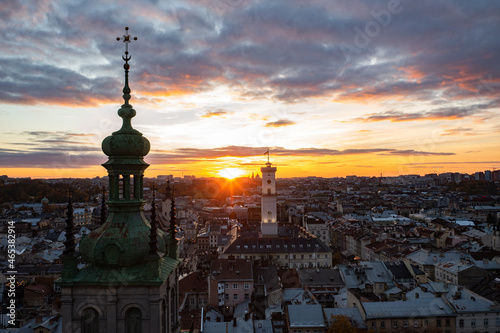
126	40
126	66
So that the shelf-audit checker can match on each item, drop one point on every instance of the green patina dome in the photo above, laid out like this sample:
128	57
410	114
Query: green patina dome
126	141
122	241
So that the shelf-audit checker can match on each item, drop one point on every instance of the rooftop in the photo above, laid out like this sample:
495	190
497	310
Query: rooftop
410	308
276	244
305	315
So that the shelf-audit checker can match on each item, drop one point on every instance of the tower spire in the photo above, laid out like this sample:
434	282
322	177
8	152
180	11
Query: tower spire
172	216
69	243
153	237
103	206
124	253
172	251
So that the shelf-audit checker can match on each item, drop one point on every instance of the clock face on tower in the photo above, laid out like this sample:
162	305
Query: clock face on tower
269	212
269	181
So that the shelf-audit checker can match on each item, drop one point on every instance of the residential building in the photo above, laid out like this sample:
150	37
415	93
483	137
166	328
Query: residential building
236	277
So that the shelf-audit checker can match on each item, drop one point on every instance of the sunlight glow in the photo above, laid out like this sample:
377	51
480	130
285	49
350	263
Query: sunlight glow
231	173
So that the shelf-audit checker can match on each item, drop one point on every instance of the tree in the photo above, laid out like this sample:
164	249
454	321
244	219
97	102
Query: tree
337	259
341	324
491	219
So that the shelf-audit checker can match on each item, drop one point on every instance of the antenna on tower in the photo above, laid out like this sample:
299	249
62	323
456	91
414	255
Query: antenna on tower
267	153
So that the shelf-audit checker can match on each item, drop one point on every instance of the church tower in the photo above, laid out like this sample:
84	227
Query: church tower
130	281
269	222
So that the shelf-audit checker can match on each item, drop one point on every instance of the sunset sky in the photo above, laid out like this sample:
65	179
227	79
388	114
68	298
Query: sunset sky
332	88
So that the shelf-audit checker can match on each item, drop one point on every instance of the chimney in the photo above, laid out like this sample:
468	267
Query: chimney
417	295
404	296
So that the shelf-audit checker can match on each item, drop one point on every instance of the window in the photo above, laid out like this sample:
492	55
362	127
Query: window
192	300
415	323
374	324
447	323
235	297
90	321
246	285
133	321
235	286
405	323
247	297
394	324
473	323
226	296
226	285
461	323
438	323
497	322
485	322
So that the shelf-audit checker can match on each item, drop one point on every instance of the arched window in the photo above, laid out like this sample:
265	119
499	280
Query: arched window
133	321
90	321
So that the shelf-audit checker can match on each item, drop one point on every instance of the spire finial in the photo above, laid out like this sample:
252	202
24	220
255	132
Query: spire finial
126	40
69	244
126	66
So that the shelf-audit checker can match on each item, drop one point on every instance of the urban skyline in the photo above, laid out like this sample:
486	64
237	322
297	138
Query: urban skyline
333	89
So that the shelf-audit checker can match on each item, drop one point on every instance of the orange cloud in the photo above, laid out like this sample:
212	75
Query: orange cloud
217	113
281	123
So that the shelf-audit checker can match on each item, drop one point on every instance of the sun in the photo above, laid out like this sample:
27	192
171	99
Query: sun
230	173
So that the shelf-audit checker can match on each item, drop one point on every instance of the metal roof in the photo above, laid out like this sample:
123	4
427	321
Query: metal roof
307	315
409	308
